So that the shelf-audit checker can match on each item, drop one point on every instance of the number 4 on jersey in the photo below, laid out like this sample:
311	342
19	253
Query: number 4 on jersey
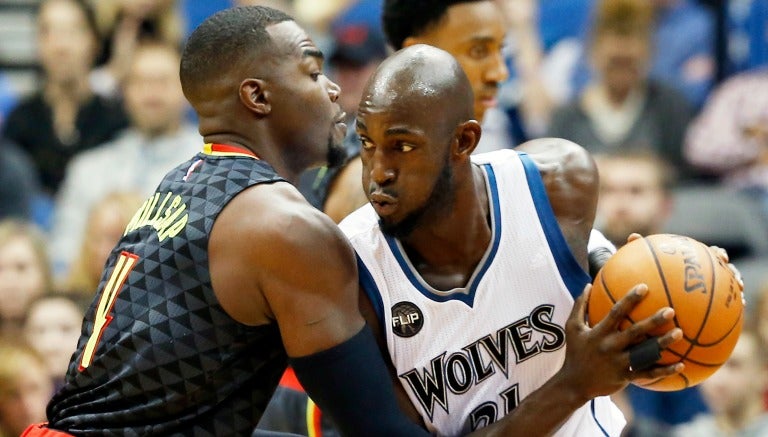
125	263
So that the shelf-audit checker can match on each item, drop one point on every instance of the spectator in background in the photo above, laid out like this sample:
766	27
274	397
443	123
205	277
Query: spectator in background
684	54
18	182
683	38
729	139
123	25
758	319
105	225
635	194
159	137
24	387
636	197
735	394
52	328
24	272
622	107
65	117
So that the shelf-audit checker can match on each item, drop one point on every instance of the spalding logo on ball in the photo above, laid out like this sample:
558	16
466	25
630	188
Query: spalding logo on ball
683	274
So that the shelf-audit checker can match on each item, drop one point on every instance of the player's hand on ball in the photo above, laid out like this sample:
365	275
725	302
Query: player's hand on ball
597	361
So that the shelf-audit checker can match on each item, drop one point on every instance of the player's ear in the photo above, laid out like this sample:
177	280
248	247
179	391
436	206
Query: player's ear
467	137
255	96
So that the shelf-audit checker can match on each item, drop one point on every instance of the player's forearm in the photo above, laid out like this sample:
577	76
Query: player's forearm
351	384
541	413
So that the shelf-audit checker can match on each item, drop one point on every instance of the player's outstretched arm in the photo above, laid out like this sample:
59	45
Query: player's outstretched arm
597	363
275	259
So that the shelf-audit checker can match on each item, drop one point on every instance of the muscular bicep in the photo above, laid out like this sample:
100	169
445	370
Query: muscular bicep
277	259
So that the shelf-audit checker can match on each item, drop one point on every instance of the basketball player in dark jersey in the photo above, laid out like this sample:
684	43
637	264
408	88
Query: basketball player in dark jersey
226	274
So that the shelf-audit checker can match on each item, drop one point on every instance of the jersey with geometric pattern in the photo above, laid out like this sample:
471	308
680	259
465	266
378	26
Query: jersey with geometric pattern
467	356
158	355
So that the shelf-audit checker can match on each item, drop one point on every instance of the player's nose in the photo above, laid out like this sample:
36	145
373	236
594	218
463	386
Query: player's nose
381	172
334	91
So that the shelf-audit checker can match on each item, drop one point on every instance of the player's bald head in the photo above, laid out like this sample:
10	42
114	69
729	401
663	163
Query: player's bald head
422	78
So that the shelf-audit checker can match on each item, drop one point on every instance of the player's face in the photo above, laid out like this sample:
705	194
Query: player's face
67	48
473	32
406	166
304	103
740	383
631	199
153	96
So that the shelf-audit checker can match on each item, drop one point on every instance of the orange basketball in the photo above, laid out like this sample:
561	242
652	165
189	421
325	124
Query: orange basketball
683	274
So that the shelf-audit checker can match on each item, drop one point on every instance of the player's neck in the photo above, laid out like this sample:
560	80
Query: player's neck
454	241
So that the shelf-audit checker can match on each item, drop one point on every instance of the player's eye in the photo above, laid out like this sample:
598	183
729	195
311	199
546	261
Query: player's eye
315	75
366	144
405	147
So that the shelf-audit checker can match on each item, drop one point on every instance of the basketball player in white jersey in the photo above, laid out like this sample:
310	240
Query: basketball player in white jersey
472	266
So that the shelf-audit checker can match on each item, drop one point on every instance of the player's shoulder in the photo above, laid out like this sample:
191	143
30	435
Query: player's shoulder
278	201
494	157
558	156
276	217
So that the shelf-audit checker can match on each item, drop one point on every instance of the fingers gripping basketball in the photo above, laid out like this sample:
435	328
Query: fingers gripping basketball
681	273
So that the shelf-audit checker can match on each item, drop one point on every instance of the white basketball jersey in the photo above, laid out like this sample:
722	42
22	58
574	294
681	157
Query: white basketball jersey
467	356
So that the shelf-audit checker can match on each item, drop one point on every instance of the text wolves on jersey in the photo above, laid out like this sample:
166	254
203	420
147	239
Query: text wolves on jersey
461	369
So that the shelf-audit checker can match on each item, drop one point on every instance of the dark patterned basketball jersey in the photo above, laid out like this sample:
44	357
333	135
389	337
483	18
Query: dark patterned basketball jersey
158	355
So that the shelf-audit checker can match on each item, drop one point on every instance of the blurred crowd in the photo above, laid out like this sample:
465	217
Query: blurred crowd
671	96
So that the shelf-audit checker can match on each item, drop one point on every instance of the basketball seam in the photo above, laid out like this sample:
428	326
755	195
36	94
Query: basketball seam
663	278
711	297
610	296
